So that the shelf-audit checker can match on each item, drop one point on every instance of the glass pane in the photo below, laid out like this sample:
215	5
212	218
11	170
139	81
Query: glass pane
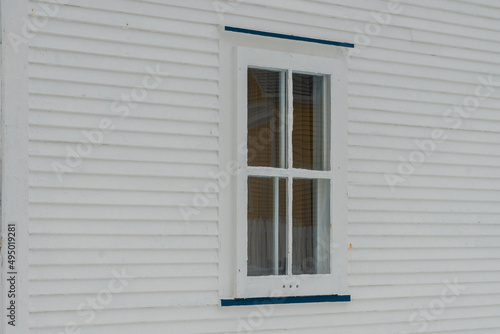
311	227
266	226
266	118
311	123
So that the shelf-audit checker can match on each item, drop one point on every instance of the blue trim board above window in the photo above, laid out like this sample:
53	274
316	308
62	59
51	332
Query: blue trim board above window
290	37
285	300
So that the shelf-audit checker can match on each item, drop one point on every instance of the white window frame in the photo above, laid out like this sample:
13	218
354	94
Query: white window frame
295	285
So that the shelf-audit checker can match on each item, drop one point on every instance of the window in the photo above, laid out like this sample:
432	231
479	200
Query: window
291	206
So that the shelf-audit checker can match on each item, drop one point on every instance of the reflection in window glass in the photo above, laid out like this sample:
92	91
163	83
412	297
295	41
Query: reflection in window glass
266	226
311	123
311	227
266	118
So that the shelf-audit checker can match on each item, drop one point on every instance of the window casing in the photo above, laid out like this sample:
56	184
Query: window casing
292	185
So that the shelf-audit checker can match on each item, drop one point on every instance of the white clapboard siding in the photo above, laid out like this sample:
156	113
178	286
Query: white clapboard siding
118	209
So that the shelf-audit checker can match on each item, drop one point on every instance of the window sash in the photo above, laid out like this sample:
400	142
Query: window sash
289	172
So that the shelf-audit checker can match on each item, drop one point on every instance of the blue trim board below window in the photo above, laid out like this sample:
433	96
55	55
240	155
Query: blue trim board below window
285	300
291	37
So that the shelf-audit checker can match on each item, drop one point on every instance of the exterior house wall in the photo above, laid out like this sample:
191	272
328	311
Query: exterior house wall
109	168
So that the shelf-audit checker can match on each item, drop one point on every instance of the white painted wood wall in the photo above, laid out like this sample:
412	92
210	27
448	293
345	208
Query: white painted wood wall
118	208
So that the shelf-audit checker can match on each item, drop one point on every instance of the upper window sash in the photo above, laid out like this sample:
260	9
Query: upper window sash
272	113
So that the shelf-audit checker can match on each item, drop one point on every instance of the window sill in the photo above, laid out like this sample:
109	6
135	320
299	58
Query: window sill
285	300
